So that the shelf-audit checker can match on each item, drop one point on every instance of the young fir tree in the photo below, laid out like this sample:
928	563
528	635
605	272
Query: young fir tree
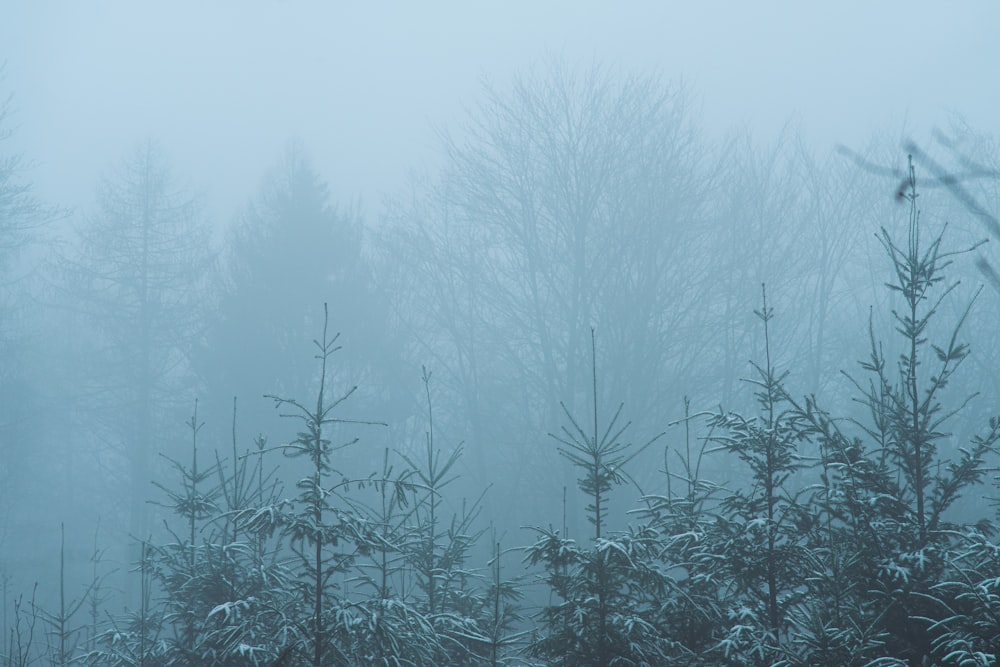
137	637
968	597
605	616
64	631
499	637
320	533
760	526
244	563
207	610
886	492
692	611
388	628
219	591
439	550
189	598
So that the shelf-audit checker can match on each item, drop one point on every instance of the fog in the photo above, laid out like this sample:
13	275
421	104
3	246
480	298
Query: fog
523	334
365	87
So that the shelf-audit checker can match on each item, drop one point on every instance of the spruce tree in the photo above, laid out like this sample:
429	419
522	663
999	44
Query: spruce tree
319	531
604	615
887	490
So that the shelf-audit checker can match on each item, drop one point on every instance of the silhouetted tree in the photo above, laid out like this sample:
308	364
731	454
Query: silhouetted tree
23	216
760	525
290	251
605	613
566	200
137	276
888	492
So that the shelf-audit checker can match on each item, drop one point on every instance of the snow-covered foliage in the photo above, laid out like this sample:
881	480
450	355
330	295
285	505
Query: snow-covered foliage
837	545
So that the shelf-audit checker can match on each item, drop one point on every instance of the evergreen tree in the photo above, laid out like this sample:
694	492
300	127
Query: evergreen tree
761	526
321	534
606	614
886	493
291	250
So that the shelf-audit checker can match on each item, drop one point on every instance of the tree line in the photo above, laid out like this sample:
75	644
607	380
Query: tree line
585	265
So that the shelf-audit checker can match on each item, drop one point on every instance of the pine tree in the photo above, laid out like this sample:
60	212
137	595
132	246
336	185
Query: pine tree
290	250
761	525
439	551
605	616
886	491
692	612
323	547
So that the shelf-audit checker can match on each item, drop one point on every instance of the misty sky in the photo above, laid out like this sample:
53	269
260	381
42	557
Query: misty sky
224	84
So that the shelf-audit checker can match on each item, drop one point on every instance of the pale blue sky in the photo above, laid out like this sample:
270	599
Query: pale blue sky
224	84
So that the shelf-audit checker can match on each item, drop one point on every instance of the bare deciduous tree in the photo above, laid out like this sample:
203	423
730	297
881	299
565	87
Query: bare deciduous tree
566	201
137	279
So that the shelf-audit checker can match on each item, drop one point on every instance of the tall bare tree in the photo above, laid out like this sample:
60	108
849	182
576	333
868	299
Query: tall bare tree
23	219
566	200
137	279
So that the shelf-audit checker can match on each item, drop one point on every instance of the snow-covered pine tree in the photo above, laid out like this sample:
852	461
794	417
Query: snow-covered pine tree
605	614
758	536
320	533
887	490
439	551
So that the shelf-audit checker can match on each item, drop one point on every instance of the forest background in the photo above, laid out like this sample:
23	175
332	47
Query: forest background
586	232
